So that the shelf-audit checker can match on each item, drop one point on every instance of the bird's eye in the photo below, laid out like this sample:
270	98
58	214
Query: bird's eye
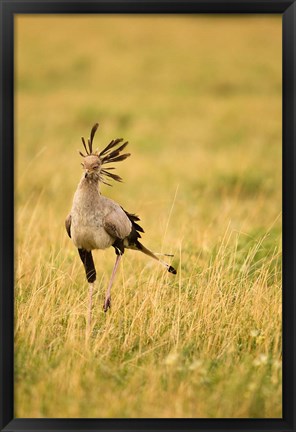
96	167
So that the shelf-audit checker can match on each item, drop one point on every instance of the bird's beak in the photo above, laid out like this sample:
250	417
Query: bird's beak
88	172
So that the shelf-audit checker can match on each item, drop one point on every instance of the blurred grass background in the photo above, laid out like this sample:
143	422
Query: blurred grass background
199	99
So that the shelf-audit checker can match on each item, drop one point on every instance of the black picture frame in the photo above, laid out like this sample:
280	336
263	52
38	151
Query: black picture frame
8	8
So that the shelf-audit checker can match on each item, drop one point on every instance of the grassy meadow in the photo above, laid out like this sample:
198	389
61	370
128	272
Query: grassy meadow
199	100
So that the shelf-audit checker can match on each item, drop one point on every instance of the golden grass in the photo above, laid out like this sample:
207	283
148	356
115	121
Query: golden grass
199	99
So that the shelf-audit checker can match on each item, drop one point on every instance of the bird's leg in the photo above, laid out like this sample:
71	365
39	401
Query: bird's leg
140	247
91	287
107	303
90	271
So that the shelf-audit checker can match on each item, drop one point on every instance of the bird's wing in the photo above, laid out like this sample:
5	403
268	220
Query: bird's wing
68	225
117	224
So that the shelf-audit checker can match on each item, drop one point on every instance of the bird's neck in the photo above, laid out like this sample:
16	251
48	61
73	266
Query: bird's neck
89	184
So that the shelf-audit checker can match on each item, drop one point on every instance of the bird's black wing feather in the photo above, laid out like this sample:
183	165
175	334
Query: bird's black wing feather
136	228
131	241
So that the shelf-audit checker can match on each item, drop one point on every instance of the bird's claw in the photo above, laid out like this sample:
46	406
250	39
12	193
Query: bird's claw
107	304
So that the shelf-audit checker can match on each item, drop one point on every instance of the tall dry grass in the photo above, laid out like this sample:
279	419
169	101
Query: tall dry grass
199	100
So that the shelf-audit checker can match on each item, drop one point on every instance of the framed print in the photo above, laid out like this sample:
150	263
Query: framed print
147	215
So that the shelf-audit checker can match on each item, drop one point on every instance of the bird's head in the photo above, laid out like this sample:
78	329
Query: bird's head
93	161
92	167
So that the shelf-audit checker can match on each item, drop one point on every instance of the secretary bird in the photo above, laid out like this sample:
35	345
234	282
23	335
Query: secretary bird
97	222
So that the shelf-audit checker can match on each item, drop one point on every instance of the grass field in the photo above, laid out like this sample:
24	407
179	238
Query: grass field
199	99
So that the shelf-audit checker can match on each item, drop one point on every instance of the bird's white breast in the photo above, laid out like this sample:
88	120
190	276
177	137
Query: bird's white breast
87	217
96	221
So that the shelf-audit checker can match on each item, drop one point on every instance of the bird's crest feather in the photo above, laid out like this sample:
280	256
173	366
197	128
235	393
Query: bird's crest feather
109	154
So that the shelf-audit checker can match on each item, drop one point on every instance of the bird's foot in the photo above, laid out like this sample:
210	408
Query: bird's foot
107	304
172	270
